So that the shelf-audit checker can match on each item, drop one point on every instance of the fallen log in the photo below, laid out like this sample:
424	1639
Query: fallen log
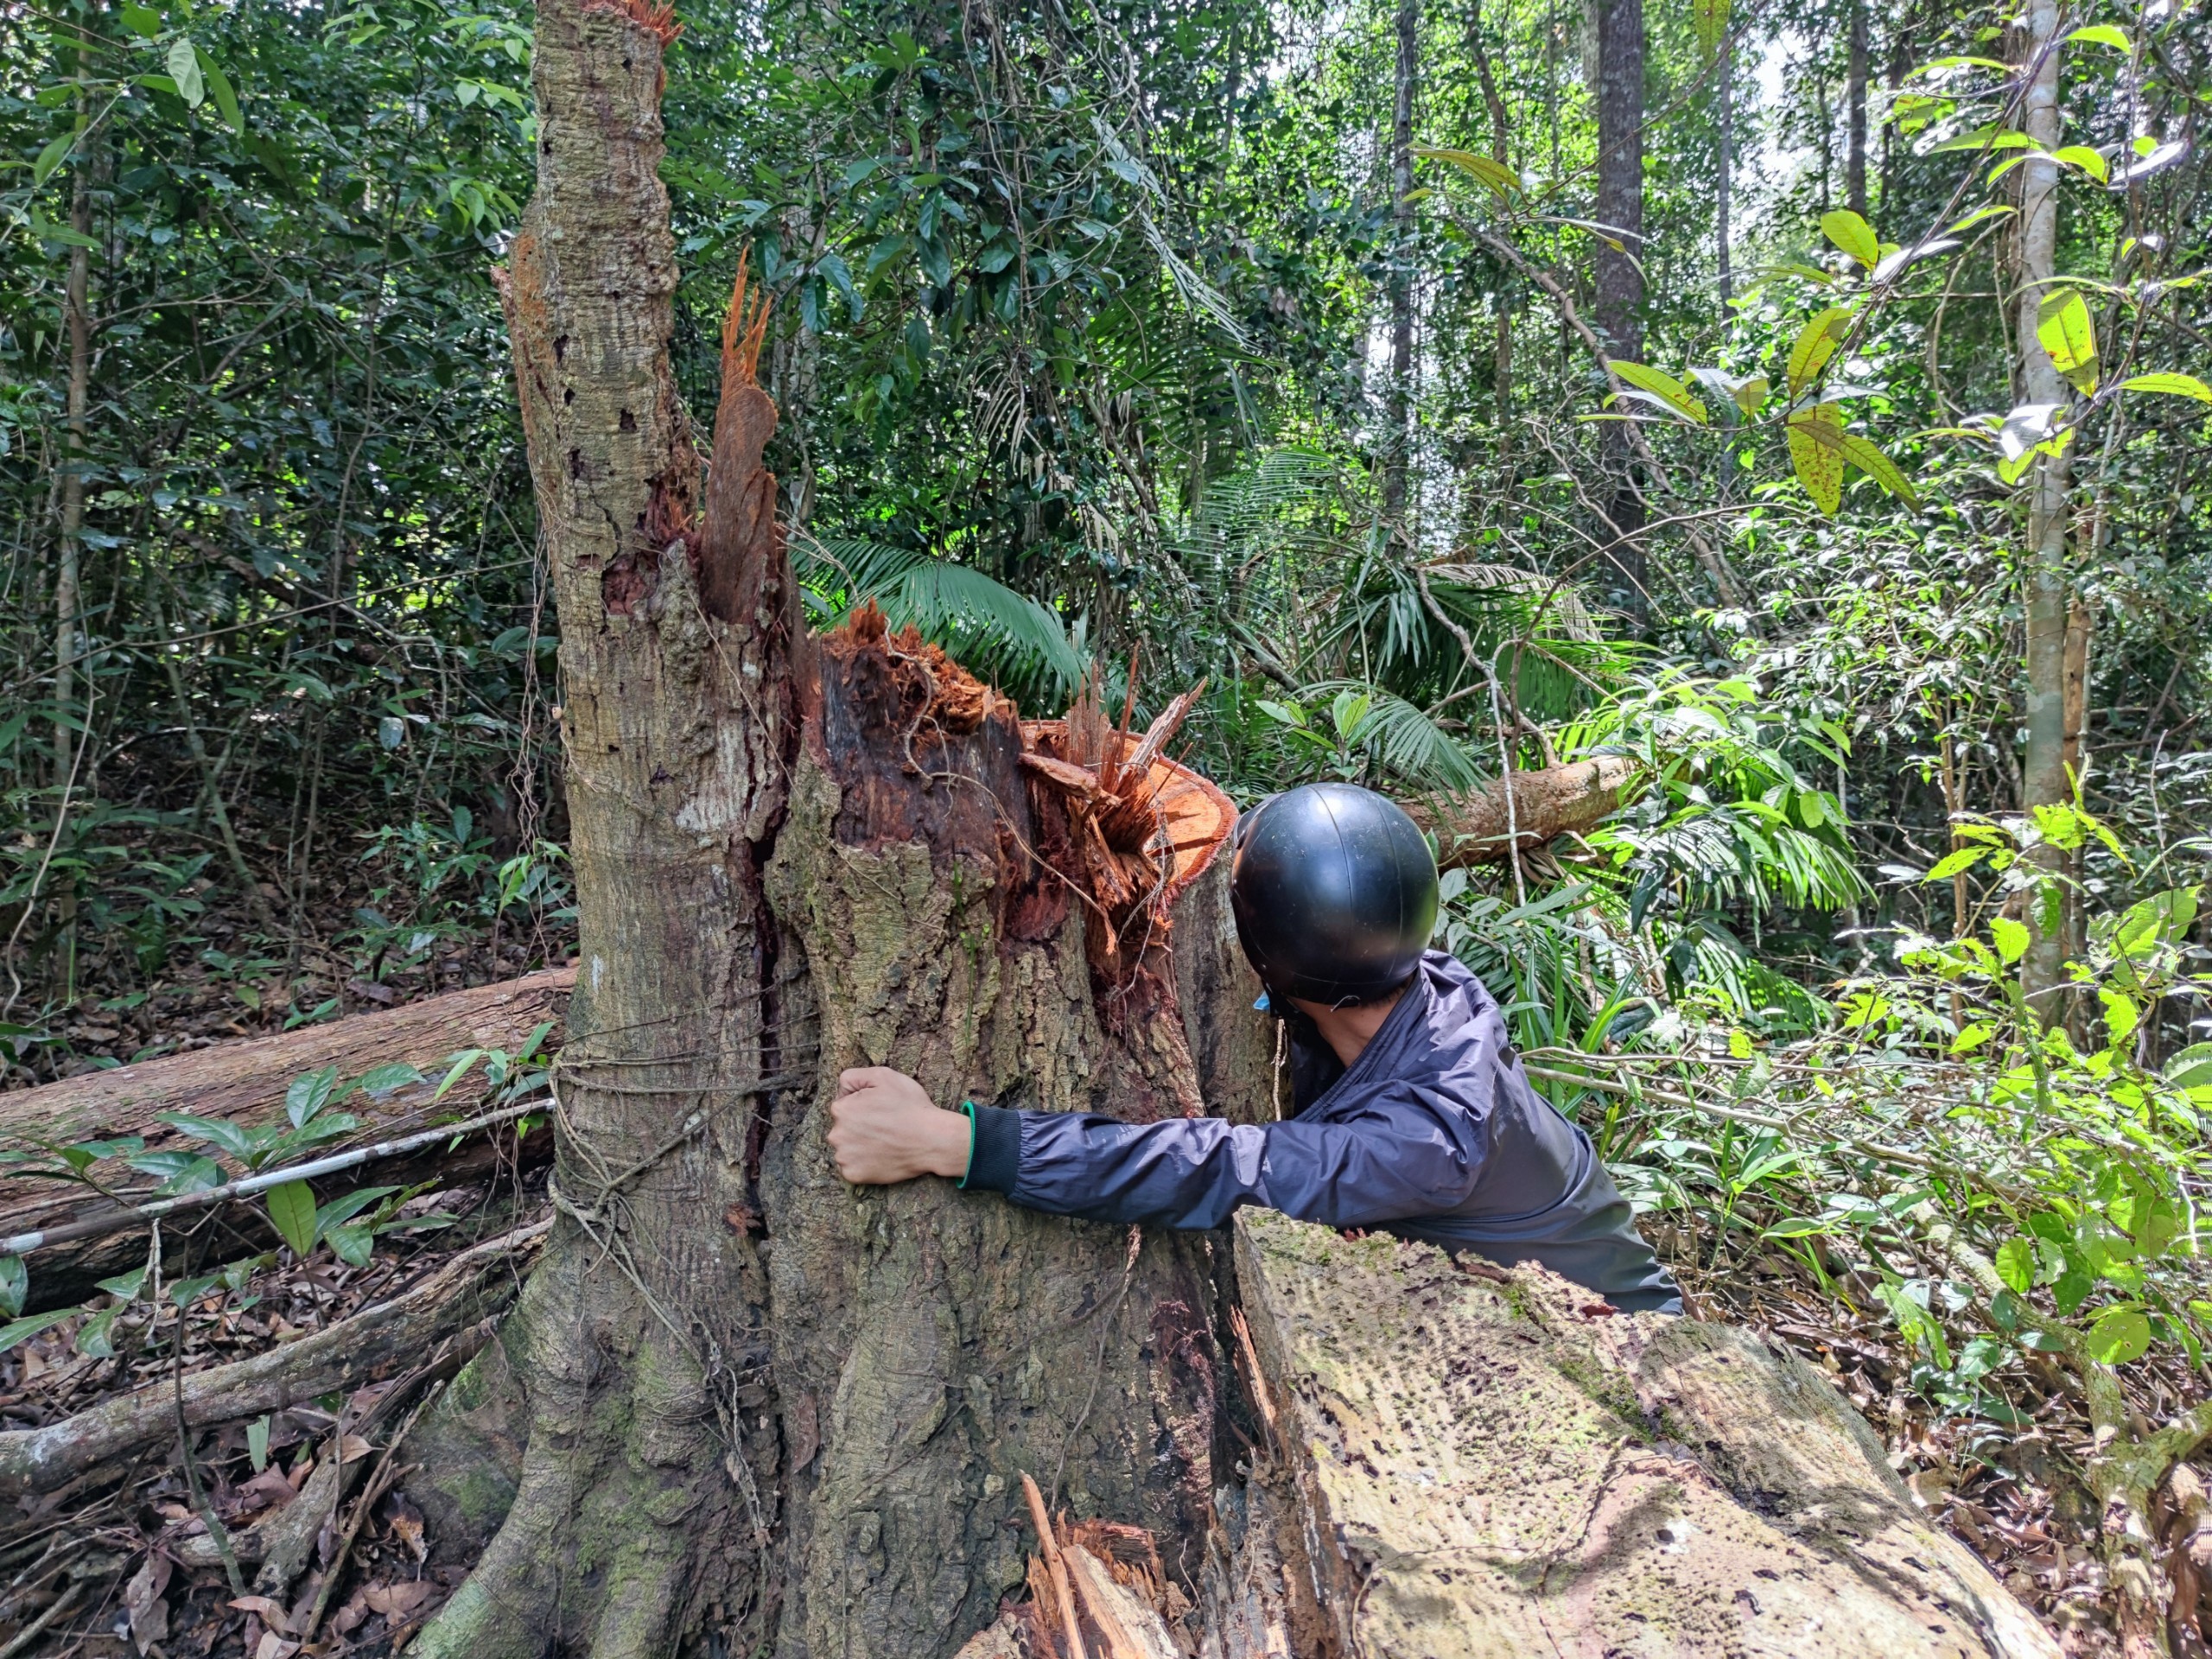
1476	827
1490	1463
371	1346
245	1081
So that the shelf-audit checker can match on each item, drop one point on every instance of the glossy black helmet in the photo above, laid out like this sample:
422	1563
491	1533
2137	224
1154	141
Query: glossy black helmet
1334	892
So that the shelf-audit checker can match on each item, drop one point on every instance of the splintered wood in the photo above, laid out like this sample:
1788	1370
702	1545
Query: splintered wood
1097	1590
1500	1464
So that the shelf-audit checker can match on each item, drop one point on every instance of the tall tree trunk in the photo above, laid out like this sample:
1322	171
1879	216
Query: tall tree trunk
2049	585
740	1403
1501	140
1854	158
1617	273
1726	92
1398	400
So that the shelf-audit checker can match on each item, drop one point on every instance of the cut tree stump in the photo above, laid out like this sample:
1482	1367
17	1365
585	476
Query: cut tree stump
1490	1463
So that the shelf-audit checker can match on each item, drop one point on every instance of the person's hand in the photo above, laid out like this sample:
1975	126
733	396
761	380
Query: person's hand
884	1128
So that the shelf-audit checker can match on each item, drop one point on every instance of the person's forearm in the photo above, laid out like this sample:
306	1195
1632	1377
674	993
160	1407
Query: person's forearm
1184	1173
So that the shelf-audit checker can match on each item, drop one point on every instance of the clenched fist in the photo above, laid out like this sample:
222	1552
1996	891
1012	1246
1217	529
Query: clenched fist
884	1128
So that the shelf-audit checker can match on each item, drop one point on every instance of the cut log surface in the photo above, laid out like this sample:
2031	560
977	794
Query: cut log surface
1554	801
1494	1463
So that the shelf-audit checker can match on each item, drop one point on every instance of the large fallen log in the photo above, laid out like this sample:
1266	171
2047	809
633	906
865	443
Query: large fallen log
1478	828
1484	1463
245	1081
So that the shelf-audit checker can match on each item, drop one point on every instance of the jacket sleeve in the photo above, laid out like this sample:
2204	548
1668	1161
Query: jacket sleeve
1395	1158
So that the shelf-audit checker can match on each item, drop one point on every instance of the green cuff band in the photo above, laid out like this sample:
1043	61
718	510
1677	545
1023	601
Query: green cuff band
967	1111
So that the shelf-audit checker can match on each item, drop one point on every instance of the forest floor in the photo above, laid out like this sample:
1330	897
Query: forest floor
113	1567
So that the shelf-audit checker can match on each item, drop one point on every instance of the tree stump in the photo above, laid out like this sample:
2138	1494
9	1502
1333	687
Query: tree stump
1488	1463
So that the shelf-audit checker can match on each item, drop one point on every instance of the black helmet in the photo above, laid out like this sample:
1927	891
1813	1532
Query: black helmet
1335	893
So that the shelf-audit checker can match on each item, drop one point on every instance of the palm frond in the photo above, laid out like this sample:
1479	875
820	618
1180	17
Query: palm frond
1401	740
981	620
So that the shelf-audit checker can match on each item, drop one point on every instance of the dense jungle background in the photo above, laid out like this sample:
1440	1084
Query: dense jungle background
1797	402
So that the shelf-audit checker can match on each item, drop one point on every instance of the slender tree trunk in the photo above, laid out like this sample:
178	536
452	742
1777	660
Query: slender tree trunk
1501	139
1619	274
1726	93
2049	597
1855	159
1398	402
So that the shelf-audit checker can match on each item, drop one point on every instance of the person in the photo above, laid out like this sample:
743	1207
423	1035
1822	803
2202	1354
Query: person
1414	1115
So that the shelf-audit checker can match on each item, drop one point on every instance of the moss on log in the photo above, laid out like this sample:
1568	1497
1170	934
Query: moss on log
1497	1463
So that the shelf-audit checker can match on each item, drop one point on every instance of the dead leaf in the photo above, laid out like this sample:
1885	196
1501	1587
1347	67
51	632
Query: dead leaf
406	1524
395	1601
274	1646
353	1447
143	1601
270	1612
351	1617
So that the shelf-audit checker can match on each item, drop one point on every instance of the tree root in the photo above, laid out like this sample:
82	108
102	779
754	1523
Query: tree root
366	1347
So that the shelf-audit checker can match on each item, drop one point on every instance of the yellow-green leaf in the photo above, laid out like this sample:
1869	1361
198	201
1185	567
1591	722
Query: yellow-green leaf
2181	385
1853	235
1752	393
1496	174
2062	325
183	65
2120	1335
1710	19
2109	35
1663	387
2083	156
1815	437
1879	467
2011	937
2016	1265
1817	344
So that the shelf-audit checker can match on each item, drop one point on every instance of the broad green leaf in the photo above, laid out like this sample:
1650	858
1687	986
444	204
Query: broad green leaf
257	1443
2109	35
2121	1014
459	1069
179	1172
226	101
291	1206
1817	344
1663	387
2016	1265
2120	1335
353	1244
51	156
216	1131
1879	467
1853	235
310	1093
1994	210
1751	394
15	1284
1987	139
1501	179
1951	863
2063	326
380	1080
2181	386
339	1211
2083	156
1816	436
183	65
1935	66
142	21
96	1336
2010	936
2191	1068
18	1330
125	1285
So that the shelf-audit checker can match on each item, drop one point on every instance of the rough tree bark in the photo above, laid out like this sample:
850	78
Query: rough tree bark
2044	776
741	1405
1619	312
1854	101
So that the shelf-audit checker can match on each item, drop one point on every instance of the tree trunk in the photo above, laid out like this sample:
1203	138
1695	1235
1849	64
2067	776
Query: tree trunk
741	1405
1501	142
1398	400
1478	827
1726	92
1855	155
2049	598
1483	1462
1619	274
646	1497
